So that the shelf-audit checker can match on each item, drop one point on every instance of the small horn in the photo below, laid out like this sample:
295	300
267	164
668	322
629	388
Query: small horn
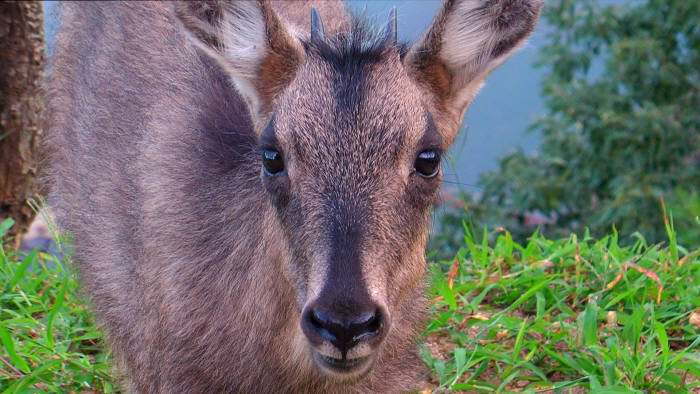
317	33
390	32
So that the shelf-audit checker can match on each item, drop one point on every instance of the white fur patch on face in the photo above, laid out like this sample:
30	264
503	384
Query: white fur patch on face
328	350
360	351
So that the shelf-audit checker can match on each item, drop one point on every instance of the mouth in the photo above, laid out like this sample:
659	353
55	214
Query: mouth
342	366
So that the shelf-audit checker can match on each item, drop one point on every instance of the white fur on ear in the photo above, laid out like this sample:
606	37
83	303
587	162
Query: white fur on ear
240	40
243	36
467	43
469	38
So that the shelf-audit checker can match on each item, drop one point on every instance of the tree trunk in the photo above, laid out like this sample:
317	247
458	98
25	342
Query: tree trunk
21	104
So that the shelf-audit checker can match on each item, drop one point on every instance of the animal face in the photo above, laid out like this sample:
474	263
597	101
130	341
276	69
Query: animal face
351	162
351	129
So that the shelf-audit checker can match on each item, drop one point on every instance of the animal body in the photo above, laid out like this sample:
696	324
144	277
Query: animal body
248	183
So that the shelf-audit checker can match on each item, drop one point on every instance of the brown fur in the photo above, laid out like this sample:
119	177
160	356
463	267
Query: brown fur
198	264
279	67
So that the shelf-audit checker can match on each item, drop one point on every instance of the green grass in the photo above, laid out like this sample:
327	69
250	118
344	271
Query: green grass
49	340
553	315
545	316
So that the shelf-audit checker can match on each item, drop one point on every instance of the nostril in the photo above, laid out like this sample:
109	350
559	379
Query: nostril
320	322
370	326
364	318
342	329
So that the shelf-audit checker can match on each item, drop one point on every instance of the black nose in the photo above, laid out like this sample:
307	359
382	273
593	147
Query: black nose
343	330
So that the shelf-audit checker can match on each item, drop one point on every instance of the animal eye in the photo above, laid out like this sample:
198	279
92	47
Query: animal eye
272	162
427	163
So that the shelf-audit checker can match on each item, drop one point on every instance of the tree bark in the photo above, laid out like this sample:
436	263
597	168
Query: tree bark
21	104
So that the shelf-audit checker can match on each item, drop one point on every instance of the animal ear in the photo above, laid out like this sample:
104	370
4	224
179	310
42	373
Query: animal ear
465	42
250	42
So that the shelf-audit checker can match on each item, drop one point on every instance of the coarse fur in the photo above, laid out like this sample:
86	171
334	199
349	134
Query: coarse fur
201	266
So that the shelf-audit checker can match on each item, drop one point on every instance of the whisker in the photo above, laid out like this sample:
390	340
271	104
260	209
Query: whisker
470	185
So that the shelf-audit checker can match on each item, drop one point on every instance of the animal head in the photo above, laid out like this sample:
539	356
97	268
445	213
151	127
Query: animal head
351	128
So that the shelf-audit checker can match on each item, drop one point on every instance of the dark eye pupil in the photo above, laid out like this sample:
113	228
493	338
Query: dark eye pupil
272	161
428	163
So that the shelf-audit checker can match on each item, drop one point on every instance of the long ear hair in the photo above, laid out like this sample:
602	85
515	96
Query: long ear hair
465	42
250	42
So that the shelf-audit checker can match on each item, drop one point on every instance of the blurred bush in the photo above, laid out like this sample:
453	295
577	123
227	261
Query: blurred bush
620	130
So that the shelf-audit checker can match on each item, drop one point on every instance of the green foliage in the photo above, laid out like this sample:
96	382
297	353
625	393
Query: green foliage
621	128
568	313
49	341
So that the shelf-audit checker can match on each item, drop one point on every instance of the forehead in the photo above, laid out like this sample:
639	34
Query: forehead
355	101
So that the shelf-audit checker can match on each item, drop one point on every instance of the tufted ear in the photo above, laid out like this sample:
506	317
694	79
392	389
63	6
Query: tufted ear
250	42
465	42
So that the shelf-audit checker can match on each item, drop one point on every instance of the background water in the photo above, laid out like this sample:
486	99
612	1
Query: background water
496	120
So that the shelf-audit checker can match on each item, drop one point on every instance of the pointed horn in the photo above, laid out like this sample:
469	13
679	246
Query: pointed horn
317	33
390	32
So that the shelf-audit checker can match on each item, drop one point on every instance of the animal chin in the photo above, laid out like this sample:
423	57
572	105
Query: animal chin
343	369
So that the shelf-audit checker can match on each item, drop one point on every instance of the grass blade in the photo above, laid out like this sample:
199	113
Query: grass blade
5	226
22	269
519	340
663	341
9	345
